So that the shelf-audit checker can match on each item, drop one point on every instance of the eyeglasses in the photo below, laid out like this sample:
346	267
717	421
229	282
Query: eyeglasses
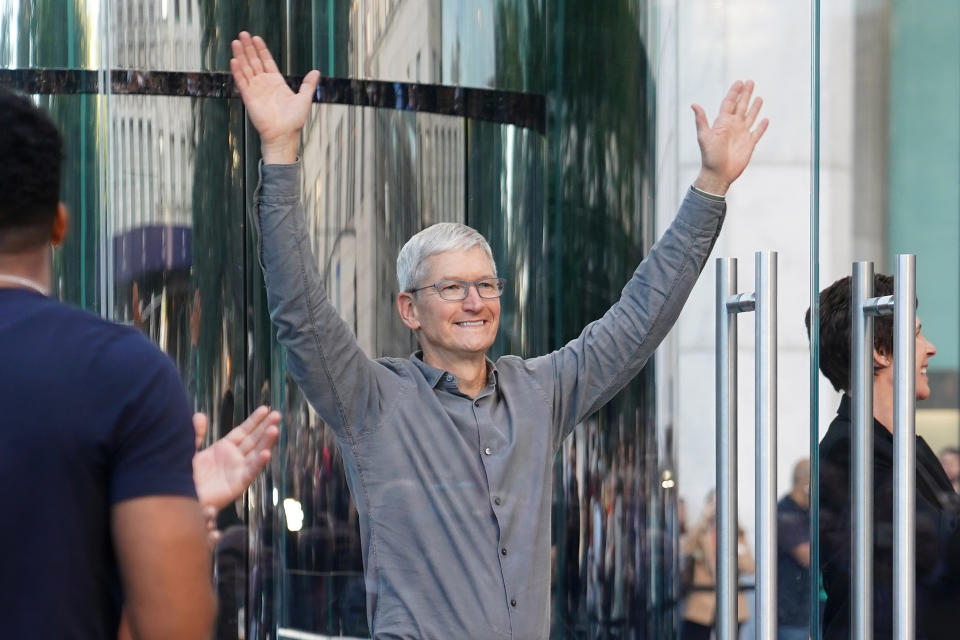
456	290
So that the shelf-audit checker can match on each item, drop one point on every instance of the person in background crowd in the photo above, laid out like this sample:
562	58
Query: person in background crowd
950	459
937	534
700	544
793	557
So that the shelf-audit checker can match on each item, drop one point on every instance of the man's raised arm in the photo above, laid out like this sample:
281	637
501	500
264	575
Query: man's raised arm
323	355
590	370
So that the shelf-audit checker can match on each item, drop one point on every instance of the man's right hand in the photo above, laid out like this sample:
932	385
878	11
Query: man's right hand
277	112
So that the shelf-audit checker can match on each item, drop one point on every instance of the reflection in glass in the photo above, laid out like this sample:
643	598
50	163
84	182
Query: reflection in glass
75	264
50	33
156	35
506	204
477	43
185	35
176	238
598	225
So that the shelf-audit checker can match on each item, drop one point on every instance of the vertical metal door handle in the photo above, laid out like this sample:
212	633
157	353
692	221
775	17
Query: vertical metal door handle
904	451
726	492
863	306
766	451
904	309
729	304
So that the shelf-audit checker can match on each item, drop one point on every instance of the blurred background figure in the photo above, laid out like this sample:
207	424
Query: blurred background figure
700	547
793	557
950	459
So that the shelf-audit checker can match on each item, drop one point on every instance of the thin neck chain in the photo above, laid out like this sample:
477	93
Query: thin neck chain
24	282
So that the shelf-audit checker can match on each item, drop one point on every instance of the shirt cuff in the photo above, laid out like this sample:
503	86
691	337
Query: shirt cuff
707	194
279	182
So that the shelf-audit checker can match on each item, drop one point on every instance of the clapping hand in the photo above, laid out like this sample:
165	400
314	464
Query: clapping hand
224	470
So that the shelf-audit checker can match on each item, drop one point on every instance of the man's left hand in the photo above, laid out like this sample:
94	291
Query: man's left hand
726	147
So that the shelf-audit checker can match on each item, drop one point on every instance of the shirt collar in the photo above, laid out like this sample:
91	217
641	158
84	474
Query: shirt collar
435	376
431	374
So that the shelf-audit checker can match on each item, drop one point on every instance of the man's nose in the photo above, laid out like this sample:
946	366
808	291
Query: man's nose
473	299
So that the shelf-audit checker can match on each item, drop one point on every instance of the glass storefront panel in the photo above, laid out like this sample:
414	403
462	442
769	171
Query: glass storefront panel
76	263
705	47
185	35
505	202
599	223
47	33
66	35
174	219
479	43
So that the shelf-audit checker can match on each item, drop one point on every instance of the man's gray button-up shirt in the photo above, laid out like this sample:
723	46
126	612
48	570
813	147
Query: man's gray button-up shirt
457	544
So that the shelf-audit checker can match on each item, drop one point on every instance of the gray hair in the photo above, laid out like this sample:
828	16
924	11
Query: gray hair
437	238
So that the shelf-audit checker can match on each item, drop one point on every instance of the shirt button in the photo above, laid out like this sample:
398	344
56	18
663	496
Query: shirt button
503	551
476	403
497	500
488	451
449	378
513	603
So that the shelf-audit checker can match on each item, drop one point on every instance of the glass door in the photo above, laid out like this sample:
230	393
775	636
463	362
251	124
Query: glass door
889	139
768	210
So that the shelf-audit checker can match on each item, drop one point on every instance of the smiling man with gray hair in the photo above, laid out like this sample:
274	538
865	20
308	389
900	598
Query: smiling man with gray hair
449	456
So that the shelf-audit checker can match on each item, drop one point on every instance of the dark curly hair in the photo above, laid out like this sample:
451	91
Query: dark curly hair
31	149
835	329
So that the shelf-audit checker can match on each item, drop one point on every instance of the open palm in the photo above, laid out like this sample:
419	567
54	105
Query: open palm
275	110
727	145
224	470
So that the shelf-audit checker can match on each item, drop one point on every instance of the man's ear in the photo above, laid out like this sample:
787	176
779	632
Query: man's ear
407	307
880	359
61	222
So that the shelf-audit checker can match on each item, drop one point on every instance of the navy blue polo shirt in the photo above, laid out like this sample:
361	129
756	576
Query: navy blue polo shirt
91	414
